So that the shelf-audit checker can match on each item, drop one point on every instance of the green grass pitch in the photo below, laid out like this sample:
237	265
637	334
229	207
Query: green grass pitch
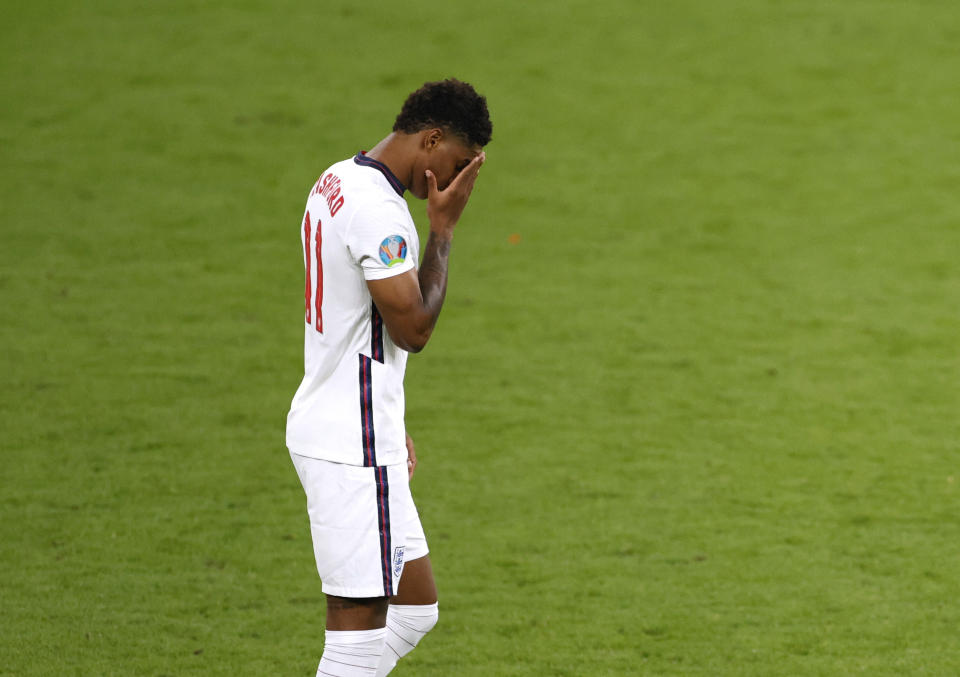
692	406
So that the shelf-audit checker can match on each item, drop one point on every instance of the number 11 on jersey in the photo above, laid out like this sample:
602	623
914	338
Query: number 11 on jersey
309	257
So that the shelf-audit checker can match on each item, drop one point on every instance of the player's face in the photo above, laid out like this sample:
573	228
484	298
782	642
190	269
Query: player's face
445	158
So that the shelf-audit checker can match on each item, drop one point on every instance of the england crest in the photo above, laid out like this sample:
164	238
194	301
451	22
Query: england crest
398	560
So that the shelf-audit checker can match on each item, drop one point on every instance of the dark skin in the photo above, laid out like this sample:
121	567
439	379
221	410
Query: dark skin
441	168
416	587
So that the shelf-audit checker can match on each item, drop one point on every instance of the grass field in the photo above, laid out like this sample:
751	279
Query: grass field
701	419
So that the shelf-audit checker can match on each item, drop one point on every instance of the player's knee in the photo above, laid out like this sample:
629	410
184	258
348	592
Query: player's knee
418	619
431	620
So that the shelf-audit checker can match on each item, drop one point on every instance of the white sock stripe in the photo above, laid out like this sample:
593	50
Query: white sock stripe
397	635
343	670
326	657
338	651
340	670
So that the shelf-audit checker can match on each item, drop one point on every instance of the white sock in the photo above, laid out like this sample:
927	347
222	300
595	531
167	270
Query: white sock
351	653
406	625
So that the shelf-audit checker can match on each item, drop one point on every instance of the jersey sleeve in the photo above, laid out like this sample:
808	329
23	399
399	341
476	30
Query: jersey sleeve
379	242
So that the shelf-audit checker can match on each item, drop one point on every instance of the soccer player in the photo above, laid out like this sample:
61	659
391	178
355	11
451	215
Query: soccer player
370	299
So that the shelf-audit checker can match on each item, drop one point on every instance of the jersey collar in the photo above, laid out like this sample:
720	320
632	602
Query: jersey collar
362	159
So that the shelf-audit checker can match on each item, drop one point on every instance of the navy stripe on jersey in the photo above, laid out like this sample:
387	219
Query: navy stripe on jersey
366	412
383	522
376	340
362	159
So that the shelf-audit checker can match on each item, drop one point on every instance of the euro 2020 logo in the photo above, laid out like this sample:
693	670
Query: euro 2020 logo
393	251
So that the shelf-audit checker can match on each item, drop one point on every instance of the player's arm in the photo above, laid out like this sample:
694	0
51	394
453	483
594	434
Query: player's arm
410	303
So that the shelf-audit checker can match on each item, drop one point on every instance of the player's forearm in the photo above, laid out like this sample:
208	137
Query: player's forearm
433	277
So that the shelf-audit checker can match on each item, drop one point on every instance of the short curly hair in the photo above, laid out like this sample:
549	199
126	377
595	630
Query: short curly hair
447	103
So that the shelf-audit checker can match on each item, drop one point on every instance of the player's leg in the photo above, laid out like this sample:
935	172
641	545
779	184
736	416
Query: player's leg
417	585
348	613
347	524
355	636
412	614
413	609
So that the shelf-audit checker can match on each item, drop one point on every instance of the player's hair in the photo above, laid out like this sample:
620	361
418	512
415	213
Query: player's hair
447	103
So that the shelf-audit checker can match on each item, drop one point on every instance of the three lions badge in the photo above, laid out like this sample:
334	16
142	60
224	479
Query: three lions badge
398	560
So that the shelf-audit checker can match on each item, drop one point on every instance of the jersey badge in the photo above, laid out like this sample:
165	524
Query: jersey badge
398	560
393	251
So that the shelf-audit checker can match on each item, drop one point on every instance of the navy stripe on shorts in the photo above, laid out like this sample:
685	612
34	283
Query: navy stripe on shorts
383	522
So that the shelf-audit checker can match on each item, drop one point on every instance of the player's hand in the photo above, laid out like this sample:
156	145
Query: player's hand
411	457
444	207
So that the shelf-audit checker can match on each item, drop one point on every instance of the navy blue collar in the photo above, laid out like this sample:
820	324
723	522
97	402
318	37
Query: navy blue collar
362	159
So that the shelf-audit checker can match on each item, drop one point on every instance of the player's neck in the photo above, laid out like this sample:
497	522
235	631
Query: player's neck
395	152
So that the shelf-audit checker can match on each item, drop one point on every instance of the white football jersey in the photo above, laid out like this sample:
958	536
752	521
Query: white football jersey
349	407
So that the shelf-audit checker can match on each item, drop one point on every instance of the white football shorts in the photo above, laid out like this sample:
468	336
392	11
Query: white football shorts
364	525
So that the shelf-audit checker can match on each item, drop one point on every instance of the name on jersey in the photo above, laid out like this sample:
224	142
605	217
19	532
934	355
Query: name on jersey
328	187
